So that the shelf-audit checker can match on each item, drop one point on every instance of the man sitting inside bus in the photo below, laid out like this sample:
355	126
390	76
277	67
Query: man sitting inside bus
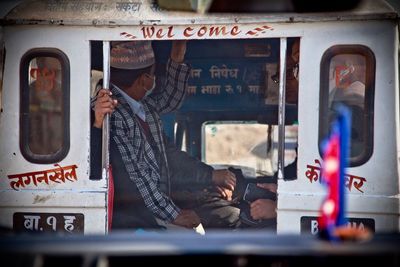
265	209
141	159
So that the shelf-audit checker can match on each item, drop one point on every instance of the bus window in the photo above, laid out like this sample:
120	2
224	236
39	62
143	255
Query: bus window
248	145
347	77
44	104
237	144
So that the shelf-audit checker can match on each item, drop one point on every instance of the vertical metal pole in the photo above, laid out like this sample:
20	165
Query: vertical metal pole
106	124
281	115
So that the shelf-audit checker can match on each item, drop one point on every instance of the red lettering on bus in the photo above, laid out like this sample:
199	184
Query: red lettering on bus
186	32
235	30
202	31
217	30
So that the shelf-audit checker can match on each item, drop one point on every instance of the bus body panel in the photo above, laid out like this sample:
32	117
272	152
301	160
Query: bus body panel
77	194
377	198
380	171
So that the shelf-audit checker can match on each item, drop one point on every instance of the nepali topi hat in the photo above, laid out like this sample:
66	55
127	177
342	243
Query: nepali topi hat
131	55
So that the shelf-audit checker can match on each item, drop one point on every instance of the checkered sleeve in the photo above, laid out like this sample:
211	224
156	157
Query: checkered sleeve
155	200
93	102
94	97
174	89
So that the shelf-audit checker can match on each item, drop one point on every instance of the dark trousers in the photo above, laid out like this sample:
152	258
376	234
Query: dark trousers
214	212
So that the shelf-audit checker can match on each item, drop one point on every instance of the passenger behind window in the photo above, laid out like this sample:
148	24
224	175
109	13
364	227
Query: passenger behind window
349	83
45	106
348	88
265	209
292	91
292	72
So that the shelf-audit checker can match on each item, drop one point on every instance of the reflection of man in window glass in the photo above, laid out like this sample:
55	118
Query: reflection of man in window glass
347	86
349	79
45	108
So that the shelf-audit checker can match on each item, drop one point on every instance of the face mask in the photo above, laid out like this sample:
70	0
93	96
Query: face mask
149	91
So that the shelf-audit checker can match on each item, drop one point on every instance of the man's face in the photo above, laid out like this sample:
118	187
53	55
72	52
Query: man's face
149	78
148	81
145	82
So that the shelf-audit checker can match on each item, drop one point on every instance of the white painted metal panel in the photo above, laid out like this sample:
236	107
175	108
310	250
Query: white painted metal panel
80	195
380	171
146	12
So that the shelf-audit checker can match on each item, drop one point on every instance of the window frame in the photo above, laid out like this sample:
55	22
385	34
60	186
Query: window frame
2	61
24	105
370	72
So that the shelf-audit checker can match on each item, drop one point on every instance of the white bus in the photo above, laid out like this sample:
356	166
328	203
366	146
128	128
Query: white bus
52	57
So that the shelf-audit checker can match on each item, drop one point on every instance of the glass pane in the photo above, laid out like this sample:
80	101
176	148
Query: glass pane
347	78
237	144
45	105
248	145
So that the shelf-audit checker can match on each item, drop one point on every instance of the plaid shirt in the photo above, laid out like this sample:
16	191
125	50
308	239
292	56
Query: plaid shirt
136	151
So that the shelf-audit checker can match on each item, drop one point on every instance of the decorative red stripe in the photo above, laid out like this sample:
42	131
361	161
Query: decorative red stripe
128	35
258	30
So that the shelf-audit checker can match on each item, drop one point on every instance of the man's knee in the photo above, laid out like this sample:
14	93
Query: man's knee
222	217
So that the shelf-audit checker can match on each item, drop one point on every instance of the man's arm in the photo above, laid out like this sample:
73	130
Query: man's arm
177	74
193	171
100	105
